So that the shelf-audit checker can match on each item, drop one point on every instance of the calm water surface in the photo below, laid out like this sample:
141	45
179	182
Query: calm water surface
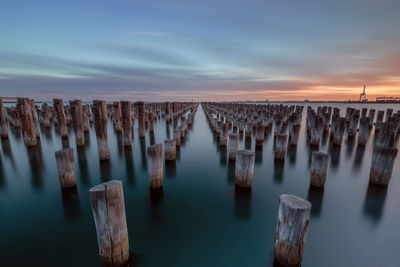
199	220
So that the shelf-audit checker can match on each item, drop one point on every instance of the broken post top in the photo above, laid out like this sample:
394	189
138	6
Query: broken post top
294	202
106	186
64	150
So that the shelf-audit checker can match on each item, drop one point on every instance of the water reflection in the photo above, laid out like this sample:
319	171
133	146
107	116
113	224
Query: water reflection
247	143
65	142
258	155
16	132
143	152
311	149
129	165
358	158
2	175
222	155
315	196
156	205
349	146
279	166
46	132
230	174
178	152
292	154
71	206
334	155
87	139
374	202
105	170
167	130
36	163
152	139
170	168
120	145
242	203
83	166
7	152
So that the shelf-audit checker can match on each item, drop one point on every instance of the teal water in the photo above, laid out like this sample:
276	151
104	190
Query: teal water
199	220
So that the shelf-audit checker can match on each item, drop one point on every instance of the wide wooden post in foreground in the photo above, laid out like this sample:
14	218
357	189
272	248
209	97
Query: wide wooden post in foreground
155	165
383	159
291	229
108	208
319	167
66	167
100	123
244	169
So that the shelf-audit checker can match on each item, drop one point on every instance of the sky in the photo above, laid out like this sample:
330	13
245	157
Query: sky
155	50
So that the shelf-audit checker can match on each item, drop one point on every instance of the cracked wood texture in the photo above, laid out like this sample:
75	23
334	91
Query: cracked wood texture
108	208
291	230
155	165
244	169
66	167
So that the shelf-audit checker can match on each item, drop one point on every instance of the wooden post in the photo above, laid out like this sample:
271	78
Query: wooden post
339	131
294	131
233	146
3	121
61	118
77	120
244	169
28	129
319	168
291	229
249	129
151	122
108	208
260	133
383	159
155	165
177	137
141	116
170	149
117	116
66	167
223	140
85	118
280	146
35	119
126	115
100	123
363	131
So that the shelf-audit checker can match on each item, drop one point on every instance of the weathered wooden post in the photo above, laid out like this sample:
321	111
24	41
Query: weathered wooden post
177	137
244	169
66	167
77	121
319	168
169	149
260	133
3	121
339	131
291	230
389	113
233	146
108	208
383	159
85	118
363	131
316	131
294	131
61	118
151	122
141	117
100	123
35	119
117	116
28	129
280	146
249	129
223	140
155	165
126	115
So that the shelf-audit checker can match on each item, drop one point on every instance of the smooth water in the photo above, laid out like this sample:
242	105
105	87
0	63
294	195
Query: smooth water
199	220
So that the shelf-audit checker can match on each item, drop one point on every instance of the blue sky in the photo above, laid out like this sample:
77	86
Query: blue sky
202	50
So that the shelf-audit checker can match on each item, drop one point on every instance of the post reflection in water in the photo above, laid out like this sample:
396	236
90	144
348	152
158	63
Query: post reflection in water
120	145
129	165
87	139
46	132
374	202
242	203
349	146
258	155
156	205
222	155
230	174
2	176
178	152
358	158
143	152
334	155
71	206
105	170
170	168
247	143
152	139
16	132
315	196
167	130
311	149
83	166
36	163
292	154
279	166
7	152
65	142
